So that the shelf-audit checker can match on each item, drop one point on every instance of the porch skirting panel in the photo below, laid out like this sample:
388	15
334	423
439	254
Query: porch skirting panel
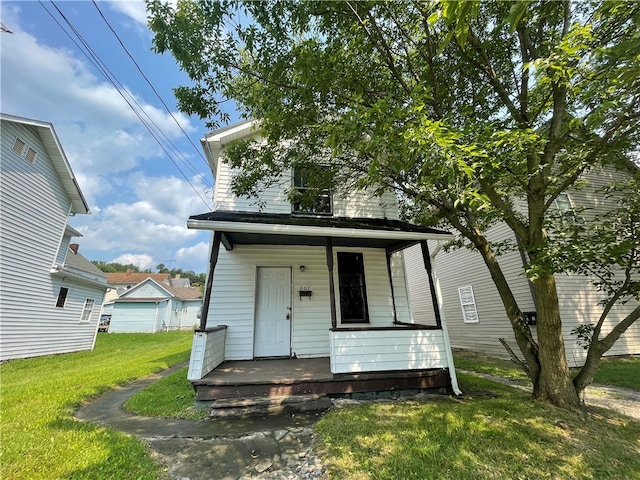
207	351
377	350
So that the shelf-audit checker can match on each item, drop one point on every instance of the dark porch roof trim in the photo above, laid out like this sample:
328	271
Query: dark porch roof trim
286	229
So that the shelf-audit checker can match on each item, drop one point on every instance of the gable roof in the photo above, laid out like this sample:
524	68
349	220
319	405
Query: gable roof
58	159
80	262
192	293
135	277
185	293
214	142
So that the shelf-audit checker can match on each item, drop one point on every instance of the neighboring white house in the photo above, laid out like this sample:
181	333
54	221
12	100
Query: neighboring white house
294	284
49	295
475	315
120	282
151	307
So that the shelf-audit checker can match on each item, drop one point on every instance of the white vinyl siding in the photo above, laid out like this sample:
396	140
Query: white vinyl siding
466	267
468	304
233	298
379	350
274	199
578	300
29	242
207	352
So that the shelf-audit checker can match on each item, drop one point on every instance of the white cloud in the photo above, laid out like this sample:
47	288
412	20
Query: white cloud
152	223
197	256
99	132
142	261
136	10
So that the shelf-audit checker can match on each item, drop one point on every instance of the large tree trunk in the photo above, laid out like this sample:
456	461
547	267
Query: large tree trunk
555	380
521	330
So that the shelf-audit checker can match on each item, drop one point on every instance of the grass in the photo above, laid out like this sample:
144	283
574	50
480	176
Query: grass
620	372
615	371
479	362
170	397
41	439
478	437
494	432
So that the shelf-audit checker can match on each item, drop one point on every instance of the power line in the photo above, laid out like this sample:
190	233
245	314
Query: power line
112	79
149	82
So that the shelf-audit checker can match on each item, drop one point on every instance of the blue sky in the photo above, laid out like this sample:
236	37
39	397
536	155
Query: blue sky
140	201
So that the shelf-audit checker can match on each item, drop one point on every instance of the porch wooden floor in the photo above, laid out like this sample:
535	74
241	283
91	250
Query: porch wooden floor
309	376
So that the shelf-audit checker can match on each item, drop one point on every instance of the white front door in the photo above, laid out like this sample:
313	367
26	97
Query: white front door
273	312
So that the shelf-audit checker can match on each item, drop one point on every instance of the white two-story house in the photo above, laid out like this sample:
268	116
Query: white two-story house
50	295
285	283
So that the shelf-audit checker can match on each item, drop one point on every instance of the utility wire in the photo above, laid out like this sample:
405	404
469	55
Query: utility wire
102	68
149	82
113	79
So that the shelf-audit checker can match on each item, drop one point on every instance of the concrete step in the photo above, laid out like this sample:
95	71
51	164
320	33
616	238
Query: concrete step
260	406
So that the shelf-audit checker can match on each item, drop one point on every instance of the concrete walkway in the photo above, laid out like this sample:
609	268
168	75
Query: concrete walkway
275	447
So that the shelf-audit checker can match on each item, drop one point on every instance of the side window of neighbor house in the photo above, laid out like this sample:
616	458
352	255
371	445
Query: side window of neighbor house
468	304
565	206
88	308
304	201
62	297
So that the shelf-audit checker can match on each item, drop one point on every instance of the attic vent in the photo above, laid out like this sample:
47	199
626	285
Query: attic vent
31	155
18	146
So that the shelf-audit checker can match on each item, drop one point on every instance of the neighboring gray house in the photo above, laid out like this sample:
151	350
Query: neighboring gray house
475	315
151	307
49	296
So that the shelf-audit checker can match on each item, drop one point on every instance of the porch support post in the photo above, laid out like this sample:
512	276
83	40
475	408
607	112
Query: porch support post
213	260
393	295
426	257
332	290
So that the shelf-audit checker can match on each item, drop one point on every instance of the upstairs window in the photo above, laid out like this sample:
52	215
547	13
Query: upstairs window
567	210
306	200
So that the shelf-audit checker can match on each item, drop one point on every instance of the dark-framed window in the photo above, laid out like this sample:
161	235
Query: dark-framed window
352	286
62	297
304	200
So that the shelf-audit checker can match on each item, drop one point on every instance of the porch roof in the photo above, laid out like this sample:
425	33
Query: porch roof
243	228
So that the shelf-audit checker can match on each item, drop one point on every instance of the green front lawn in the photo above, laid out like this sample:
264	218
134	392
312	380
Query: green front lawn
478	437
41	439
620	372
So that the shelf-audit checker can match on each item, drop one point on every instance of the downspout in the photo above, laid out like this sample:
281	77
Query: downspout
155	319
443	320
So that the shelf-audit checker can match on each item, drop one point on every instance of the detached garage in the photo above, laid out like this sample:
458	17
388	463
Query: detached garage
150	307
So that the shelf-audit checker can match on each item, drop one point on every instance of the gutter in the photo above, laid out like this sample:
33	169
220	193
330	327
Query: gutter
443	323
312	231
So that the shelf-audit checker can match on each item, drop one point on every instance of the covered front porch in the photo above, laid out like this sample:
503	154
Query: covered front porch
384	351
